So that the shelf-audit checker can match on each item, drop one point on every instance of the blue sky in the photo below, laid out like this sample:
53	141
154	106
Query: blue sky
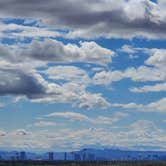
75	75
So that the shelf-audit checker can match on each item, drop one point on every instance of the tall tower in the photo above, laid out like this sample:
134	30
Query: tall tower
51	156
65	156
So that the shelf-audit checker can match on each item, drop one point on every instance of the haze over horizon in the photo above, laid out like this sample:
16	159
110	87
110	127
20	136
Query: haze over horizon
80	73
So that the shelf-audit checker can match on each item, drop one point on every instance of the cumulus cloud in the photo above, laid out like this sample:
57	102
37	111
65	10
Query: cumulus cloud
140	74
157	70
55	51
157	58
67	73
34	87
15	80
88	101
153	70
72	93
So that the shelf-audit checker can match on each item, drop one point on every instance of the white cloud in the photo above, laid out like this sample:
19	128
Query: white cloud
153	70
140	74
16	62
89	101
39	53
128	49
102	120
55	51
105	77
70	115
141	132
2	133
150	88
44	124
16	31
159	105
157	58
156	106
72	93
20	132
67	73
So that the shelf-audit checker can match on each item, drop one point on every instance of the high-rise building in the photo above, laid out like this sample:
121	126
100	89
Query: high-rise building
65	156
51	156
22	155
84	156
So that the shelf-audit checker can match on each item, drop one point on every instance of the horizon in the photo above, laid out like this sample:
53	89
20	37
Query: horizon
79	73
85	155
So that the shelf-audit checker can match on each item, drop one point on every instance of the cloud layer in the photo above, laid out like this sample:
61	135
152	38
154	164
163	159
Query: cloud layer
96	18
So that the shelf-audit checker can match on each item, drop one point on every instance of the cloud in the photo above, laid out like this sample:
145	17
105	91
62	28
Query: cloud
89	101
2	133
128	49
140	74
20	132
156	106
107	77
15	82
144	130
131	51
67	73
45	124
149	88
157	58
101	120
96	18
153	70
74	94
141	132
70	115
15	31
55	51
159	105
33	86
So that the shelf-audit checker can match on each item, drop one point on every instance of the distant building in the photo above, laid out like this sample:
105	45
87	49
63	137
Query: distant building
51	156
17	156
77	157
91	157
84	156
22	155
65	156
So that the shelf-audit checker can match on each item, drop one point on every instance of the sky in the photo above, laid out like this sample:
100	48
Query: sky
82	74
